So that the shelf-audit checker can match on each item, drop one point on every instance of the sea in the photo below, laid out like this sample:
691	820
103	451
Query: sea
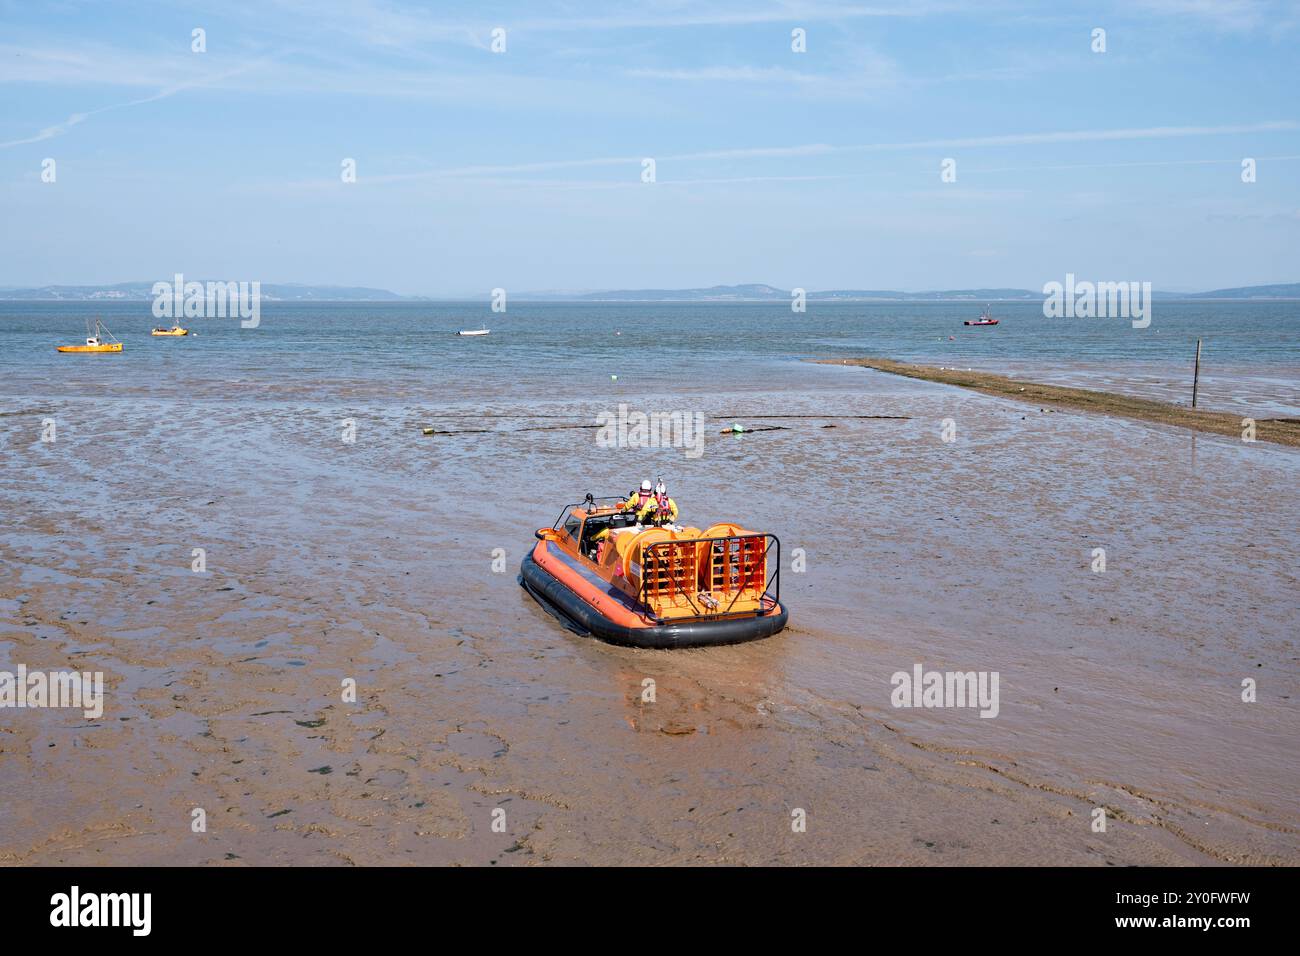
1250	351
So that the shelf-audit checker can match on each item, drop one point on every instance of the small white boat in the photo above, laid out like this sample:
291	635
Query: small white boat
482	331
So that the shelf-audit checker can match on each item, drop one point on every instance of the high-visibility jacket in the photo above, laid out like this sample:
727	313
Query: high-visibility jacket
661	509
636	501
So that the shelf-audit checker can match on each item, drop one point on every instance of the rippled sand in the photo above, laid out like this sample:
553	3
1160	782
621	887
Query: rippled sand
374	561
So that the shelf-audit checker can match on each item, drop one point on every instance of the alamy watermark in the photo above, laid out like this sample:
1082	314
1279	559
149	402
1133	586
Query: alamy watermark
946	689
1098	300
130	910
74	689
179	299
628	429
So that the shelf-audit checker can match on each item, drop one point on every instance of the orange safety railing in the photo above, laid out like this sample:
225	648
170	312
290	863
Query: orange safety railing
710	577
669	575
737	565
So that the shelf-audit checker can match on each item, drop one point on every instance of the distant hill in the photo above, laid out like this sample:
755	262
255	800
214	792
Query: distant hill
1286	290
757	292
718	293
978	295
748	292
143	291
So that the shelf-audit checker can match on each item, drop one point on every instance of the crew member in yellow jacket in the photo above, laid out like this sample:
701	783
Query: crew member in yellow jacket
660	509
636	500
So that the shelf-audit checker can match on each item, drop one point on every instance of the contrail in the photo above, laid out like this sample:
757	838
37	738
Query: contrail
49	132
821	149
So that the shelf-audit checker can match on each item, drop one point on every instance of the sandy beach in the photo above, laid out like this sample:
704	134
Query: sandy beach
373	561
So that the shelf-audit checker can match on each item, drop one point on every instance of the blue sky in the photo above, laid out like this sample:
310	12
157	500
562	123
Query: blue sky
523	169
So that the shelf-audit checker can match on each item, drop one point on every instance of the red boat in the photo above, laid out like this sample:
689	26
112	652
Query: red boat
984	319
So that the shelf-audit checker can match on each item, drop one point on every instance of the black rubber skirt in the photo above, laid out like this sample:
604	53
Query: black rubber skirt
581	618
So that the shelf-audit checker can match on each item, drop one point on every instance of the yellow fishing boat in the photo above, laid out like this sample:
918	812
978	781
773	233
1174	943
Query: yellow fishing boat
100	340
174	330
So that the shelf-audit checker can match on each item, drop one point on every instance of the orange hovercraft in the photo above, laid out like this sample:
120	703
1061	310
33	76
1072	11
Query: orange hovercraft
599	571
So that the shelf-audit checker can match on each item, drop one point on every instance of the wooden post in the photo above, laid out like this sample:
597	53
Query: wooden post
1196	376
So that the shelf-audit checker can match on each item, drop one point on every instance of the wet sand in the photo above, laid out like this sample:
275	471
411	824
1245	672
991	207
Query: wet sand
373	561
1284	431
1255	391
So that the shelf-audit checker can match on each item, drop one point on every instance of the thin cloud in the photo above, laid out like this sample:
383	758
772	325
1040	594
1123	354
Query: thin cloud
58	129
1227	15
823	149
1154	162
1082	136
874	75
792	14
728	74
598	184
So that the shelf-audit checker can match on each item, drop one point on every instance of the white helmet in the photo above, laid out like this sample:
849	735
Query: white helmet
661	488
645	485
